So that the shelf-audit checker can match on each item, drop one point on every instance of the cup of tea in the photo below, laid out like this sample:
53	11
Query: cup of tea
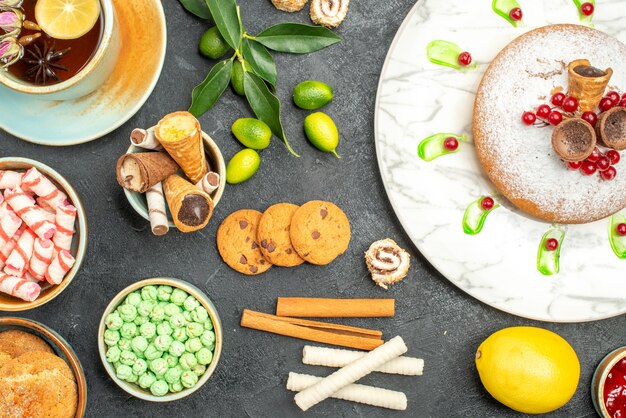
55	64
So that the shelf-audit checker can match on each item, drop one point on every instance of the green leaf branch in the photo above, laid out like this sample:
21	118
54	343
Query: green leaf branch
260	73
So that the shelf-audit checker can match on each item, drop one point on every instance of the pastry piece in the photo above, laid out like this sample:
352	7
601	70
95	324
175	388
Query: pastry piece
15	343
273	235
181	136
329	13
140	171
237	242
43	251
387	262
5	251
19	259
611	128
65	218
145	138
209	183
320	232
587	83
10	179
9	225
24	206
191	208
289	5
20	288
58	268
4	358
574	139
39	184
37	384
156	210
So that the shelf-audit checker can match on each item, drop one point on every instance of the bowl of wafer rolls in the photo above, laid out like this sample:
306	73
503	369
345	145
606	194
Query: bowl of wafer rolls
43	234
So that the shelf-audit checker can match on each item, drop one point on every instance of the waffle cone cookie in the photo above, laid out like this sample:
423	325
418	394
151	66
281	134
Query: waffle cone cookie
587	83
191	208
181	136
138	172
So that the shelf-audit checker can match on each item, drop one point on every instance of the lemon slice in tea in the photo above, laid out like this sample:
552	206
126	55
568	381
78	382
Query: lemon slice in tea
67	19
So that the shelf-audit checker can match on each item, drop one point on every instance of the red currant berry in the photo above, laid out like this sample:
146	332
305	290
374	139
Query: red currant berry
570	104
595	155
623	102
587	9
608	174
590	117
451	144
465	59
529	118
614	156
588	168
487	203
603	163
516	14
621	230
552	244
555	117
557	99
606	104
624	96
574	165
613	95
543	111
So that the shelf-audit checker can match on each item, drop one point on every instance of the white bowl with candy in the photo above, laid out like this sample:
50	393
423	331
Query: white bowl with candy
43	234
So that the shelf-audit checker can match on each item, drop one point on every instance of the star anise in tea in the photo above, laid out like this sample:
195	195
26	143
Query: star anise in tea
42	61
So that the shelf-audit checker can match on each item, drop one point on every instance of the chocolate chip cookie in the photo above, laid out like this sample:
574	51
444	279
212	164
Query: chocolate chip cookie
319	232
237	242
273	235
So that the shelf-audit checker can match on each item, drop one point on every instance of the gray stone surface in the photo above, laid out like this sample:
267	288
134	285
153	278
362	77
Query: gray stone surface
438	322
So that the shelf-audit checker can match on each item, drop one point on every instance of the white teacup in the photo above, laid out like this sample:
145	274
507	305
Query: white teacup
90	77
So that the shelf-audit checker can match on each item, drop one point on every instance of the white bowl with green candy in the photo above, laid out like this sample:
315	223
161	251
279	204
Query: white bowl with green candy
160	339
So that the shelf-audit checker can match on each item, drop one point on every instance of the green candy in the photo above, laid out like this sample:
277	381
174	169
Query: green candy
111	337
124	344
159	388
190	303
129	330
208	338
173	375
178	297
199	370
188	378
113	354
188	361
177	348
177	321
176	387
194	329
164	293
208	325
128	358
140	367
113	321
172	361
148	330
140	320
172	309
139	344
146	380
158	367
193	344
133	299
180	334
152	353
204	356
163	342
187	316
127	312
149	293
124	372
132	378
145	307
157	314
164	328
199	314
162	304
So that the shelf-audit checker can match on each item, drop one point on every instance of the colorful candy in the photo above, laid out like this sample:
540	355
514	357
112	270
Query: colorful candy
65	218
59	266
43	251
20	288
17	262
24	206
39	184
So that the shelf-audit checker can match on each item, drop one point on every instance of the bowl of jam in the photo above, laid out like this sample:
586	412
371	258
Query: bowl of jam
608	386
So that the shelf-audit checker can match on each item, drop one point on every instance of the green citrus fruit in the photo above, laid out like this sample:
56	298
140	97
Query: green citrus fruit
252	133
242	166
236	79
311	94
212	45
322	132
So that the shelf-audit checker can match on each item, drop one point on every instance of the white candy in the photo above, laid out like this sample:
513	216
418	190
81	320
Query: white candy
9	224
19	288
10	179
18	260
43	187
43	250
61	264
32	215
65	218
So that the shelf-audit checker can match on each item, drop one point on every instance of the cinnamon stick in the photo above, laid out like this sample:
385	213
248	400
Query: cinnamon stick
322	332
335	308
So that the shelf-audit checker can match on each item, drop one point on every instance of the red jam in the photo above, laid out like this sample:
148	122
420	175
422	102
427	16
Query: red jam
615	390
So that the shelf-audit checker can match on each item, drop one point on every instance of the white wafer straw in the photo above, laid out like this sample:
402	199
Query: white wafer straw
368	395
335	357
156	210
350	373
145	138
209	183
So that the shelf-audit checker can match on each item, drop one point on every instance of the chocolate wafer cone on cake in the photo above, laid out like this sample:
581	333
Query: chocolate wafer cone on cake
140	171
191	207
181	136
587	83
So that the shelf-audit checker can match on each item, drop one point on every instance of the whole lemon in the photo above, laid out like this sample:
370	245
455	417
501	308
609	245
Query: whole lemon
236	79
322	132
212	44
252	133
311	94
531	370
242	166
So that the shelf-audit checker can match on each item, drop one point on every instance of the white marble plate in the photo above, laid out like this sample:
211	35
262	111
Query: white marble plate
416	99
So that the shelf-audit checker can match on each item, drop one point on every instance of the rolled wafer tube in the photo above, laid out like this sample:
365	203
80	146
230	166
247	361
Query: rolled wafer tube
3	206
30	278
191	208
50	216
44	188
24	206
335	357
9	224
8	247
140	171
60	265
209	183
10	179
156	210
144	138
18	260
65	218
43	250
587	83
181	136
368	395
19	288
44	205
350	373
